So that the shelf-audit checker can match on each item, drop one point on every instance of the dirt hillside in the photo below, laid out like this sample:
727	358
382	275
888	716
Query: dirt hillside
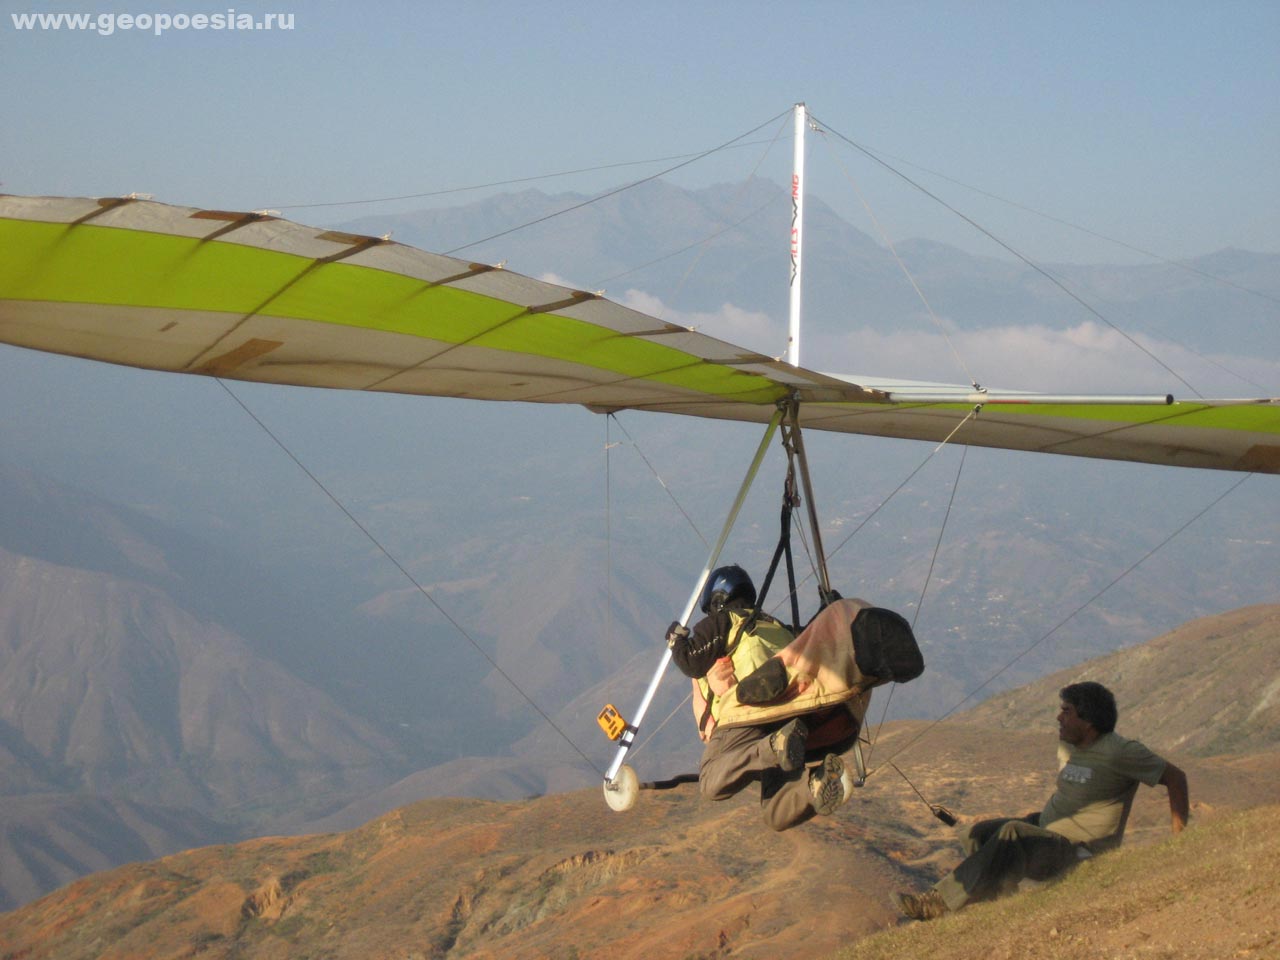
562	876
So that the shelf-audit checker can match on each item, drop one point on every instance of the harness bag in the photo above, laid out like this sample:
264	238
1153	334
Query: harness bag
849	648
884	647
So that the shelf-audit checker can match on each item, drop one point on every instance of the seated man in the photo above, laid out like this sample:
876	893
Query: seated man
1098	774
729	644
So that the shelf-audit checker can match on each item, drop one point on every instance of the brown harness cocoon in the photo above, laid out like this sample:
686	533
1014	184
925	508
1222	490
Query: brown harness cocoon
821	671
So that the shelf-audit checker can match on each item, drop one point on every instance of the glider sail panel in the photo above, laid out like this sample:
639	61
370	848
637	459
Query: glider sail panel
254	297
1222	435
257	298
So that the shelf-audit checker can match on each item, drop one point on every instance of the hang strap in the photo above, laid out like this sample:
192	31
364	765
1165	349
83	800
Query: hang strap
790	500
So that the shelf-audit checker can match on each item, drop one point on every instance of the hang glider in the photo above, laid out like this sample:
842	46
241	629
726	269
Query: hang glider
249	296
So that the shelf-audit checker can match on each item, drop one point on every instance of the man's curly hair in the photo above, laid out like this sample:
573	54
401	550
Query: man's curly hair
1093	702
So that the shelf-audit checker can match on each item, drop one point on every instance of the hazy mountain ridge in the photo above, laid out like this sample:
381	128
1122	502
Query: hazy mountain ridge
118	706
1221	674
851	279
48	839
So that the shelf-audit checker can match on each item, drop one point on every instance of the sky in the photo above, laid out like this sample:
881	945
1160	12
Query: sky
1156	124
1153	125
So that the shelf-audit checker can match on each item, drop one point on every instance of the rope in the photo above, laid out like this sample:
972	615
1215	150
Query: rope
1019	255
407	575
902	266
1128	570
1168	261
507	183
937	547
657	476
614	192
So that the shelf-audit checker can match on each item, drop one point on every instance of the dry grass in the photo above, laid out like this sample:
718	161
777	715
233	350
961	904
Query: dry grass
1212	893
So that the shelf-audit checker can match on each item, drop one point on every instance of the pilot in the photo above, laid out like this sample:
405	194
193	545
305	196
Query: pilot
731	641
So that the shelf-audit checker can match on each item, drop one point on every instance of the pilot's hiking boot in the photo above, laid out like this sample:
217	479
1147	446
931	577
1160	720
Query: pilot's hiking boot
787	744
830	785
921	906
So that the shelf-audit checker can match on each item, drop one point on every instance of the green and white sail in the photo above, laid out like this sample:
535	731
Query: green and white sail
249	296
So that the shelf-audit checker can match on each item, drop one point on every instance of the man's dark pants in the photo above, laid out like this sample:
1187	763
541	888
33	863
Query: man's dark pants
1002	852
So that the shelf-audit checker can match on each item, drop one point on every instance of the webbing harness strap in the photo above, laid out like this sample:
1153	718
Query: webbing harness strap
790	500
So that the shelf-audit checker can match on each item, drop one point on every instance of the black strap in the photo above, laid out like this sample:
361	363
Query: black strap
790	499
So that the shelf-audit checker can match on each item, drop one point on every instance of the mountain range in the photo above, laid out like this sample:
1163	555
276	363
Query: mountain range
729	244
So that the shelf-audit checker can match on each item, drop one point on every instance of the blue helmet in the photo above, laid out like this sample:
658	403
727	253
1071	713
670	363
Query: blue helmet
724	585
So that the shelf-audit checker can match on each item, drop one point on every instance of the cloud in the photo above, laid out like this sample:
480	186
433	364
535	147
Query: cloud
1089	357
1086	358
746	328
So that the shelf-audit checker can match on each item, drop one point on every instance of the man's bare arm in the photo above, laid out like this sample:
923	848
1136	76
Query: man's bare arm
1179	800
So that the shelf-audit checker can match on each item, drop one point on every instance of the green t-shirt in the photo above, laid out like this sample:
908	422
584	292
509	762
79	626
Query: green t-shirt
1096	785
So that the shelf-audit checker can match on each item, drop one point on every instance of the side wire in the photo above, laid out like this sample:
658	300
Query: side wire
656	730
617	190
937	547
1021	256
608	526
772	201
1063	622
880	506
663	483
507	183
407	575
888	242
898	489
1168	261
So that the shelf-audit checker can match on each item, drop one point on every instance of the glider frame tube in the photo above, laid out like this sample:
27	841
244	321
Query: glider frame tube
628	737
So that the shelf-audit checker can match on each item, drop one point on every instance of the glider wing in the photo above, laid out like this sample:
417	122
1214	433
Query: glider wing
250	296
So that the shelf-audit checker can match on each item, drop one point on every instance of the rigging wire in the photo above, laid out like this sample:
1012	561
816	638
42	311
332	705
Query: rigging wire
511	182
407	575
657	476
933	560
690	246
883	503
1021	256
647	740
617	190
898	489
1205	358
884	235
1063	622
734	204
1169	261
964	452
